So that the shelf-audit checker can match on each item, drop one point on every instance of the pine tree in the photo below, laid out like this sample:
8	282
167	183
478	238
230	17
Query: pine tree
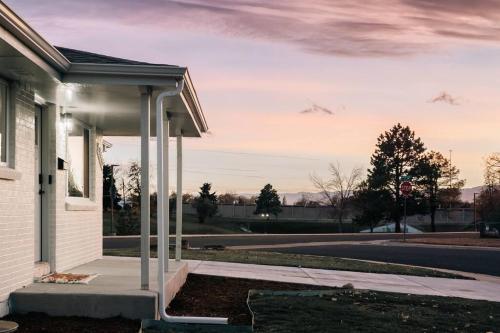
134	185
439	181
205	203
397	154
268	202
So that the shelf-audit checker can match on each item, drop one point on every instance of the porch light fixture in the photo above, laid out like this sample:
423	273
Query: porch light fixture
67	120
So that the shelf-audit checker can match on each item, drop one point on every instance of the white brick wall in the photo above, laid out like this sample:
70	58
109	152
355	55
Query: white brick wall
17	202
75	236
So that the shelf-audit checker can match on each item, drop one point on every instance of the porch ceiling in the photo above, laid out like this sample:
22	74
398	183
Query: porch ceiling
116	111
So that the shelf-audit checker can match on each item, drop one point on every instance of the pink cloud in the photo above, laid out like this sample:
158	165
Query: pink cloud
344	27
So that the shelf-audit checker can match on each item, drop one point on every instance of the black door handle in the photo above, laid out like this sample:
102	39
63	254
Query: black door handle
41	192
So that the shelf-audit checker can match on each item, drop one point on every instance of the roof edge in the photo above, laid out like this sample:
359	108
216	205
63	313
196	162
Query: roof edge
27	35
125	69
194	103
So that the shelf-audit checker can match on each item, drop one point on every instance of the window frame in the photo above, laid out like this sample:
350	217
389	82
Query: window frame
87	135
6	117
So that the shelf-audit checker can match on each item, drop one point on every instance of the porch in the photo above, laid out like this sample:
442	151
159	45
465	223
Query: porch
114	292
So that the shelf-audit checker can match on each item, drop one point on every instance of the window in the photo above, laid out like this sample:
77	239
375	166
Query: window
78	160
3	122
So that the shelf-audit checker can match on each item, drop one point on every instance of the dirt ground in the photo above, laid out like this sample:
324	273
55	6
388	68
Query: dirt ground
461	241
214	296
200	296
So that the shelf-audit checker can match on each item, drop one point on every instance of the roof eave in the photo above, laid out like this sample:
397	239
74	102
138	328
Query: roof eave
21	30
123	74
189	93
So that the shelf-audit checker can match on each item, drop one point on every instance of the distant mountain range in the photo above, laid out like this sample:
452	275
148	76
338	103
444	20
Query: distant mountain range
291	197
468	193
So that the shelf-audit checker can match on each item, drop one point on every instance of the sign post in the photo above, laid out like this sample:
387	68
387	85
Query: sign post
405	188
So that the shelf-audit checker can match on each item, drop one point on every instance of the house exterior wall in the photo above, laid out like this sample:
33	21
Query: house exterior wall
17	199
73	234
77	227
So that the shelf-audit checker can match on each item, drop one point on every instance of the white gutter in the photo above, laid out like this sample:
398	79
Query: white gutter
163	211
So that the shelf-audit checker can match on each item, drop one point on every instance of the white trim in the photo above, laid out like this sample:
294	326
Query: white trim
178	210
91	161
145	199
7	173
8	124
80	204
40	100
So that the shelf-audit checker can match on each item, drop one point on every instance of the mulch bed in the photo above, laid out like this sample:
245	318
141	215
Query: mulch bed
201	296
41	323
214	296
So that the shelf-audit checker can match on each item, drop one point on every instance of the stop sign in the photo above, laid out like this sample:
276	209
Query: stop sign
406	188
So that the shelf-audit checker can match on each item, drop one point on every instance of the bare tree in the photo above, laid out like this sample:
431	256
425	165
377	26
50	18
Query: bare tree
492	170
337	190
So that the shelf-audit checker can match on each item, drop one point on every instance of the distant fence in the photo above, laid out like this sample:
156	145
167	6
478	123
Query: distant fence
289	212
457	215
443	216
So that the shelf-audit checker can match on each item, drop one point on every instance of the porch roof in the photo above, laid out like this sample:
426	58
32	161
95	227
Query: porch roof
100	90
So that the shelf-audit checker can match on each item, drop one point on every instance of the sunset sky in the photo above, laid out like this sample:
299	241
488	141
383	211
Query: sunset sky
288	86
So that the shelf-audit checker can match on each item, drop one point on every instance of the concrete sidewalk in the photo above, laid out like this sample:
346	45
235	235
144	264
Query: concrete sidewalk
483	290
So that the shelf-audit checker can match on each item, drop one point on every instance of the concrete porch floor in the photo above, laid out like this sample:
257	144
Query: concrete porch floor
114	292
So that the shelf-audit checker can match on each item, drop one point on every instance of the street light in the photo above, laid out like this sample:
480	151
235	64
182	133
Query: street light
111	195
475	218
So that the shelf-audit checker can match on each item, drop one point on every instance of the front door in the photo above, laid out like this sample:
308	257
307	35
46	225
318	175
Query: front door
39	185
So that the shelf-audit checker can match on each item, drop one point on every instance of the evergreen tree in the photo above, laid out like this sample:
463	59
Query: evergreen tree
205	203
109	188
397	153
370	204
439	182
134	186
268	202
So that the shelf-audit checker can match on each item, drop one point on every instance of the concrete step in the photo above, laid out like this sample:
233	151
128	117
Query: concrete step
97	305
114	292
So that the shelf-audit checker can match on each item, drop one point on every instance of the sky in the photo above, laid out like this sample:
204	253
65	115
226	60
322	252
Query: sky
289	86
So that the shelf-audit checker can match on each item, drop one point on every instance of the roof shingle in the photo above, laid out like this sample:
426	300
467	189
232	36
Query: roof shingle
83	57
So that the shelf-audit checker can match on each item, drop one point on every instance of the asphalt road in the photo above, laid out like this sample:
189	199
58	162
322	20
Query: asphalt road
474	260
481	261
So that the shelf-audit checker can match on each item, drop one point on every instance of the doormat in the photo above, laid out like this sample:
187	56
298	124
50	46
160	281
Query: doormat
68	278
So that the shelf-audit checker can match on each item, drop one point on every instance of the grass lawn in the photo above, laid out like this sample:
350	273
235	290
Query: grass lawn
226	225
190	225
294	260
347	310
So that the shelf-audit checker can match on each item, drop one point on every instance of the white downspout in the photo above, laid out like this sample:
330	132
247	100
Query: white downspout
163	211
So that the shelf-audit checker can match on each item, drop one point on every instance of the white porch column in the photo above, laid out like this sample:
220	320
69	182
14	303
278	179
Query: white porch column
145	204
178	214
166	193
